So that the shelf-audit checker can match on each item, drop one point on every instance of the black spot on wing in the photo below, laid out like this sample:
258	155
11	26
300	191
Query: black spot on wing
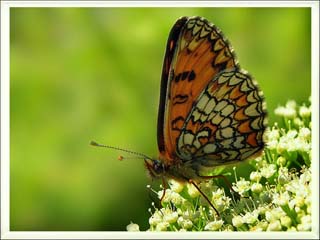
184	75
179	99
192	76
177	77
187	75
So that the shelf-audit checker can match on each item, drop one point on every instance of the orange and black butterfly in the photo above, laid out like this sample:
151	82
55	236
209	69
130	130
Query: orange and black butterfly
211	112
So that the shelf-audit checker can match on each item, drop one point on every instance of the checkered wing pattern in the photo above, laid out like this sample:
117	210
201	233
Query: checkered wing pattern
226	123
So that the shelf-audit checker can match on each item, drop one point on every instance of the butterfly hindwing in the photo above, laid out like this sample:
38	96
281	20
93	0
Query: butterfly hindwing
226	123
196	52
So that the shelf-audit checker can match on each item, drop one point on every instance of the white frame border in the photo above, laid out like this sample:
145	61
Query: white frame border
5	124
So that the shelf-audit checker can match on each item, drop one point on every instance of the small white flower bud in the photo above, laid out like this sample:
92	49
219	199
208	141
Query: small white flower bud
263	225
285	221
285	112
269	217
237	221
309	209
281	147
299	201
274	226
284	176
192	191
155	219
292	229
304	133
251	217
255	176
282	199
132	227
213	226
185	223
273	135
291	134
281	161
176	198
298	122
262	210
256	187
170	217
268	170
304	112
305	223
291	104
176	186
242	186
273	144
162	226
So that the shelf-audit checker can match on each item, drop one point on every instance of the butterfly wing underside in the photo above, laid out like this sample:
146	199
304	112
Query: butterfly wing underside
196	52
226	123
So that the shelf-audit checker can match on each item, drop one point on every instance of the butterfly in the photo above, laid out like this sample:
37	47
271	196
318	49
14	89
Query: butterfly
211	112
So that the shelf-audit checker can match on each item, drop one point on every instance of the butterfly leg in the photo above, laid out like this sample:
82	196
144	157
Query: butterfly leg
202	193
164	189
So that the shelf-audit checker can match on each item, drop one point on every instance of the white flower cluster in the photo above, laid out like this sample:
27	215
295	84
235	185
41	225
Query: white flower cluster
292	110
294	114
276	196
294	140
182	214
291	141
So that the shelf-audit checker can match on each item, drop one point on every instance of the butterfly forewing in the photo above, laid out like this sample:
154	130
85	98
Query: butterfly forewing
196	53
170	51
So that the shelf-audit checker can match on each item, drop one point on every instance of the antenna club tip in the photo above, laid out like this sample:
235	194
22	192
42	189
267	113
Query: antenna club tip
93	143
120	158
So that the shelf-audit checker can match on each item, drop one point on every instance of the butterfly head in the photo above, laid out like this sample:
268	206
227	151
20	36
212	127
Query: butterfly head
155	167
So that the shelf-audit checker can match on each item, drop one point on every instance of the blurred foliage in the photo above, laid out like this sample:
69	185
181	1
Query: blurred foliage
81	74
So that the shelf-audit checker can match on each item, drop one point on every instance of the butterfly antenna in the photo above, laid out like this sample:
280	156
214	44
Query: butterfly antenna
93	143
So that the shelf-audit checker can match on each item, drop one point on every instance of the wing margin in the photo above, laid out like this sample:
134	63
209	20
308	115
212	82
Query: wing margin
170	50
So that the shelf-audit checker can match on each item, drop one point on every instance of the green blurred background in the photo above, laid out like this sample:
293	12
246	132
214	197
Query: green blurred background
81	74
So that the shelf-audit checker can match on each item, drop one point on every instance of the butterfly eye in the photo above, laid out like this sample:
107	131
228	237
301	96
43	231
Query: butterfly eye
158	167
155	167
